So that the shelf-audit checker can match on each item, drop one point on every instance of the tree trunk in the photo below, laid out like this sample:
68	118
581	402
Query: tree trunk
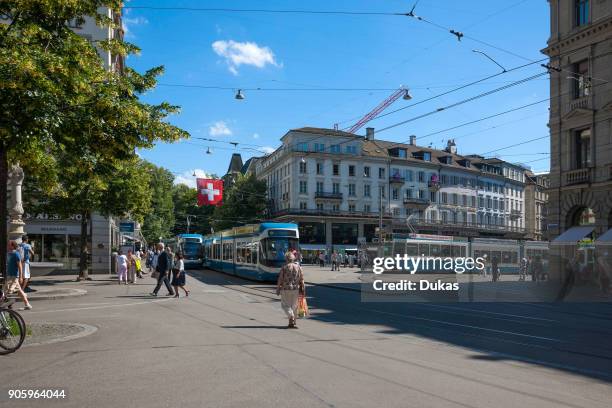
83	268
3	208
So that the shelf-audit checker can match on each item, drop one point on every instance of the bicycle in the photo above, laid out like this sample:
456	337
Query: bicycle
12	327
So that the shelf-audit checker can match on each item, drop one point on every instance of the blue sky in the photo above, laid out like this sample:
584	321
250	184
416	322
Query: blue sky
259	50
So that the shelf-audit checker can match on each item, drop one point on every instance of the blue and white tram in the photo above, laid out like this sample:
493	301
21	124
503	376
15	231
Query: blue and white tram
191	245
252	251
507	252
425	245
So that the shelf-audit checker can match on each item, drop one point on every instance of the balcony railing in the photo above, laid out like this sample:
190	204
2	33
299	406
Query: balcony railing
416	202
579	176
466	225
580	103
328	213
328	196
397	180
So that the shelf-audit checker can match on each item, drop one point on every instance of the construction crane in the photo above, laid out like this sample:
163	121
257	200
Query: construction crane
400	93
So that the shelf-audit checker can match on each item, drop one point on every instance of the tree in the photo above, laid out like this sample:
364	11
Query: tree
185	203
57	98
243	203
160	220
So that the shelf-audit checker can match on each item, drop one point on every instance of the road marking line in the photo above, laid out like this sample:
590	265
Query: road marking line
101	307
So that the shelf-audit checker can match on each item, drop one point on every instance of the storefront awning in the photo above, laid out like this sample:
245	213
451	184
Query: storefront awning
573	235
605	239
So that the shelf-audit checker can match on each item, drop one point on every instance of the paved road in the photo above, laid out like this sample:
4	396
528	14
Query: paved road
226	346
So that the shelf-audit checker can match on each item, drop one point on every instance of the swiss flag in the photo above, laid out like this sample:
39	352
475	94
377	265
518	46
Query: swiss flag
210	191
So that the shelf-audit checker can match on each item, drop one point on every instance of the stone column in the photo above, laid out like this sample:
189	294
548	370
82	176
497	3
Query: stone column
16	224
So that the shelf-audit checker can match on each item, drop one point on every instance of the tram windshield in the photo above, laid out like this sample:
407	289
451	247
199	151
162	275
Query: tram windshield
272	250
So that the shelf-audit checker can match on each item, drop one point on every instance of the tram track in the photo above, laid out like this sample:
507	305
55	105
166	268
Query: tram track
342	344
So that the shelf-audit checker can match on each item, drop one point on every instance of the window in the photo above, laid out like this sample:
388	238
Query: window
367	208
464	200
444	198
408	193
432	196
421	194
320	207
382	191
401	153
473	201
303	167
581	12
335	207
583	148
319	168
396	212
443	179
395	194
303	187
455	199
409	176
426	156
336	188
421	176
336	169
334	148
351	170
302	147
366	171
581	79
351	149
303	205
481	202
351	207
351	190
366	190
381	173
319	147
444	215
319	186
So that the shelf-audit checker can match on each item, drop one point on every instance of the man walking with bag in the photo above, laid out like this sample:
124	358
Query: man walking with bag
162	269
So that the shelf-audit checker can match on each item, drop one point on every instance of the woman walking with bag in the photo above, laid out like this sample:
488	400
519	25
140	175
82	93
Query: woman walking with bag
289	286
178	275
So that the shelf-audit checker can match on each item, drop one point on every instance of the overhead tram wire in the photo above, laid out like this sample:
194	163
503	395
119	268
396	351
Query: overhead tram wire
271	11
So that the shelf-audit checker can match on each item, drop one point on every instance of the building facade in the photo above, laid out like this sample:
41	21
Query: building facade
580	52
340	187
536	201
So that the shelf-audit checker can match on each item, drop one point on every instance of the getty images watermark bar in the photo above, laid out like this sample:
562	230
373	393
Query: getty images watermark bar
390	274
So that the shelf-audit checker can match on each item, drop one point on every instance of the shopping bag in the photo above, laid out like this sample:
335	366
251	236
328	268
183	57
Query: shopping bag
155	275
302	307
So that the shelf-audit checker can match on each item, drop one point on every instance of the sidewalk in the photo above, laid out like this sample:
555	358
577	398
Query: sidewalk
52	287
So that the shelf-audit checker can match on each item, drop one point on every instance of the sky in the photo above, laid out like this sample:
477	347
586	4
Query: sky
299	61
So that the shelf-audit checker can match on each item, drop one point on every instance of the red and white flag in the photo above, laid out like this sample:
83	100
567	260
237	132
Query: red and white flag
210	191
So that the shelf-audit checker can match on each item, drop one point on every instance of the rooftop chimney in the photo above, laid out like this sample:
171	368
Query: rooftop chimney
451	147
412	140
370	133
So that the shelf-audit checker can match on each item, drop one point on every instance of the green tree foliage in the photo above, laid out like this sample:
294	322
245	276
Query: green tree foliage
159	221
185	203
58	99
243	203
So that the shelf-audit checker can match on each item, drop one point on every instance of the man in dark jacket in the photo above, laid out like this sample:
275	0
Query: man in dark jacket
163	269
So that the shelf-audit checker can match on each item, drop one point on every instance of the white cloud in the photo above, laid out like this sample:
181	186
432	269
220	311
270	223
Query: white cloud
255	135
188	179
128	22
244	53
219	128
267	149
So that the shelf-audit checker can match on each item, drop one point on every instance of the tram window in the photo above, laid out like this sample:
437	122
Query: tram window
496	254
506	257
463	251
445	251
424	249
456	251
514	258
412	250
434	250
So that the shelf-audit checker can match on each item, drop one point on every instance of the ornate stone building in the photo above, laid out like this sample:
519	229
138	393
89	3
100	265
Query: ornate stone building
536	202
580	51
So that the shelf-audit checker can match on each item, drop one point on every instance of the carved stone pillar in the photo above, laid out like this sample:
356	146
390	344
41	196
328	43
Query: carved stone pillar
16	224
